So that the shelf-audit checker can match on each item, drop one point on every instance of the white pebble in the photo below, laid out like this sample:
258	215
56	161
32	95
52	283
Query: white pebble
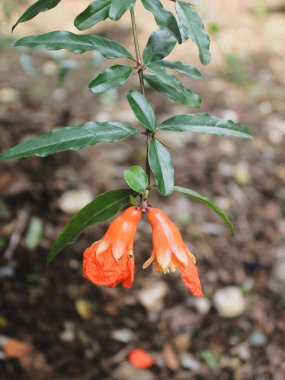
229	302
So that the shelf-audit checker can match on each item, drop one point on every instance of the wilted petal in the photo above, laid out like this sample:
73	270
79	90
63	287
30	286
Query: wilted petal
190	277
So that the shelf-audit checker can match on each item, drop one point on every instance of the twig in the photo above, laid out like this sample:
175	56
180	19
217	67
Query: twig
16	235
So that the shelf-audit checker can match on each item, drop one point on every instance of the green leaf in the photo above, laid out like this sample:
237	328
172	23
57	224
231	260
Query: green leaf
119	7
94	13
112	77
142	109
102	208
160	44
161	166
188	70
136	178
171	86
205	124
133	201
70	138
35	9
207	202
163	18
76	44
193	28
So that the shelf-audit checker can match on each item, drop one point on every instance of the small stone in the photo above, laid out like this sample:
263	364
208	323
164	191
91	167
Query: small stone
34	233
242	350
152	296
74	264
50	68
7	271
241	173
225	169
229	302
83	308
189	362
123	335
73	201
275	136
203	305
182	342
258	339
68	334
227	148
9	95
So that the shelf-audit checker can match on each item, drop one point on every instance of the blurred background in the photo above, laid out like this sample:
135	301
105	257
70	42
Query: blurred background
78	331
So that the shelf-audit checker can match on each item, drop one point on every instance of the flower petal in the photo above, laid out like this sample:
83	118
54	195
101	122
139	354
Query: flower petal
190	277
118	250
163	257
103	245
128	282
190	254
149	261
165	232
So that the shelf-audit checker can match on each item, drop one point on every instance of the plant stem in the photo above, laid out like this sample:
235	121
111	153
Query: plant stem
137	49
140	73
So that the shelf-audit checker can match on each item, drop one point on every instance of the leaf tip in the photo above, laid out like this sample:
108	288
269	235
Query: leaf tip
51	255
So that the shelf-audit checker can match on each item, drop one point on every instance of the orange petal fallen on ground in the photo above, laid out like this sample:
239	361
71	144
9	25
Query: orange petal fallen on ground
140	358
16	349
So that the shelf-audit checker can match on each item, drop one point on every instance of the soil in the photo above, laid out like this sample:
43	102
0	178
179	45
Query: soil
82	332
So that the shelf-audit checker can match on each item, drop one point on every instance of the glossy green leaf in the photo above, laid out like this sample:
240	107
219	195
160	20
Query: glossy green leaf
119	7
188	70
142	109
171	86
70	138
137	179
161	166
76	44
193	28
97	11
112	77
205	124
207	202
35	9
160	44
163	18
102	208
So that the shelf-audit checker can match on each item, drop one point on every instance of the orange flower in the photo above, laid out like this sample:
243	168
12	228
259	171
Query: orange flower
110	260
170	252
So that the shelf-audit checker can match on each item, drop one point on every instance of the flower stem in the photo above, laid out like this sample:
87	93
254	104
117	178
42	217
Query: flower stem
142	88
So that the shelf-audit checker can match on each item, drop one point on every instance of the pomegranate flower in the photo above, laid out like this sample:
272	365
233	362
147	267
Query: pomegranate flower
170	252
110	261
